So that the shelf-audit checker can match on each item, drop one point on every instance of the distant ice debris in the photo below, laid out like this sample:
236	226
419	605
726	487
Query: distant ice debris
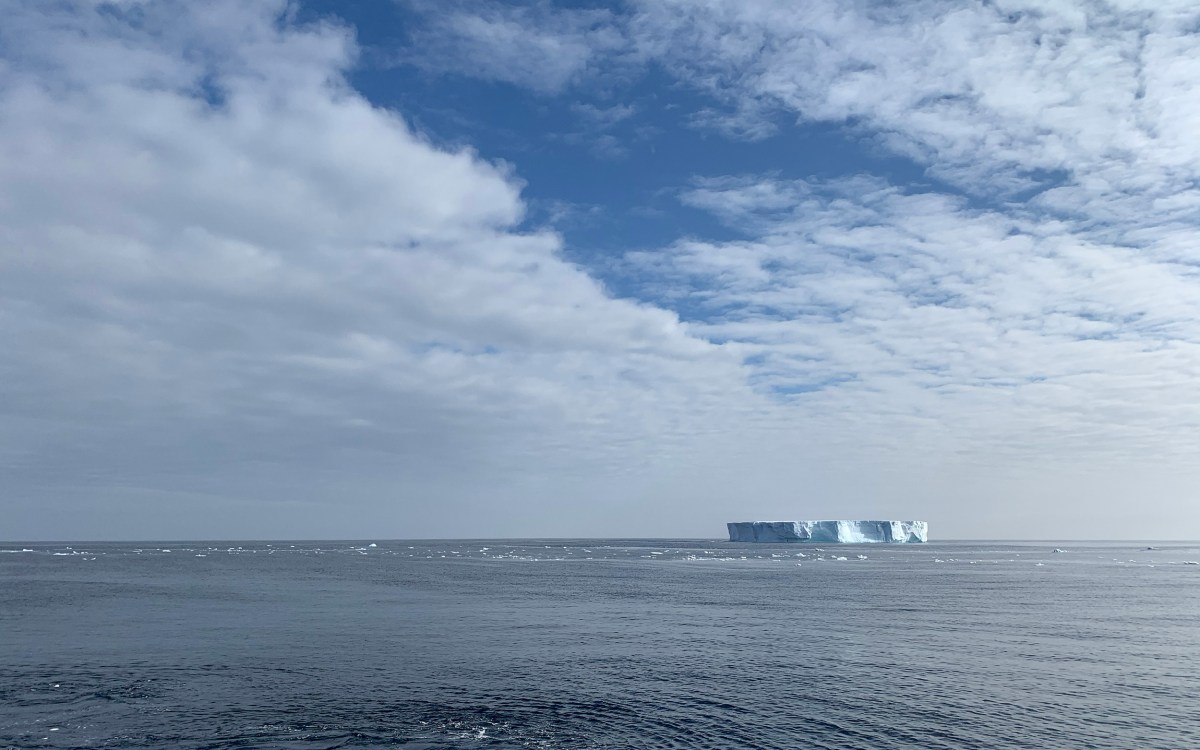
1056	549
843	532
372	544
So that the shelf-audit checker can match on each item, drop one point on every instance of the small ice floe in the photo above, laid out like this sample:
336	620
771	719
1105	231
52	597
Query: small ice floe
1191	562
372	544
198	555
1057	550
1038	565
839	559
938	560
862	557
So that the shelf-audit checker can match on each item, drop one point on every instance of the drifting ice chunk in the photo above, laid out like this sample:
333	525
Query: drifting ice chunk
845	532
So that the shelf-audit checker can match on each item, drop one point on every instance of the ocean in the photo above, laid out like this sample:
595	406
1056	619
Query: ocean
600	644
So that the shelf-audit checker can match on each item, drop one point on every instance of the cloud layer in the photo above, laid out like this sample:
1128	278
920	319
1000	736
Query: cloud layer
225	273
239	299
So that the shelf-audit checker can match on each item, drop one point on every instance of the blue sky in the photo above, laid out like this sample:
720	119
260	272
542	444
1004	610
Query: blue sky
632	132
418	269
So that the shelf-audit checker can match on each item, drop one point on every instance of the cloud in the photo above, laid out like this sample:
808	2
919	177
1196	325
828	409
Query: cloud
536	46
596	124
227	276
1000	99
1011	336
984	94
603	117
236	297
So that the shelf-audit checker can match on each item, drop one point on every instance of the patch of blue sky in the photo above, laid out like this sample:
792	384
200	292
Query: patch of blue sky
934	296
433	346
786	389
614	186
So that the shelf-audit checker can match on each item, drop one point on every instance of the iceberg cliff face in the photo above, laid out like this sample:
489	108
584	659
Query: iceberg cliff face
830	532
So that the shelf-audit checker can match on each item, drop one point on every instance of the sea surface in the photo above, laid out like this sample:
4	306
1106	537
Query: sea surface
600	644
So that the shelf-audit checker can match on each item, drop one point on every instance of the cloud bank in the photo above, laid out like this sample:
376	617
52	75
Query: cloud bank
237	298
232	284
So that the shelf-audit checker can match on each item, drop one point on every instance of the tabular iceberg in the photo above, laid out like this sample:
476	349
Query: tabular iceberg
831	532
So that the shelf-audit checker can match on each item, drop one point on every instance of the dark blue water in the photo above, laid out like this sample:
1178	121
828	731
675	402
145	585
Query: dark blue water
599	644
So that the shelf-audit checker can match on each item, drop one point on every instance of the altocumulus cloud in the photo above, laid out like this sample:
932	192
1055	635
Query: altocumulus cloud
1023	326
240	299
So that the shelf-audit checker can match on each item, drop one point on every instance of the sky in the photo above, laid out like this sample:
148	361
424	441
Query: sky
428	268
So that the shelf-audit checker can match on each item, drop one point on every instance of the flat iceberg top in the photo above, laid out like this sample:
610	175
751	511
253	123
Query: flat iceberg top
830	532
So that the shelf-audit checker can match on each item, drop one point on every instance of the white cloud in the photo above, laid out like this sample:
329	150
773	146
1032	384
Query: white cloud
234	292
982	93
226	275
1025	339
603	117
532	45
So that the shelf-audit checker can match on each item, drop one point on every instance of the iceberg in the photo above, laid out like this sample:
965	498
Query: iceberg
830	532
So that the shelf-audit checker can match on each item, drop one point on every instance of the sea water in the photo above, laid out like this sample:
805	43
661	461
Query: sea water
599	644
